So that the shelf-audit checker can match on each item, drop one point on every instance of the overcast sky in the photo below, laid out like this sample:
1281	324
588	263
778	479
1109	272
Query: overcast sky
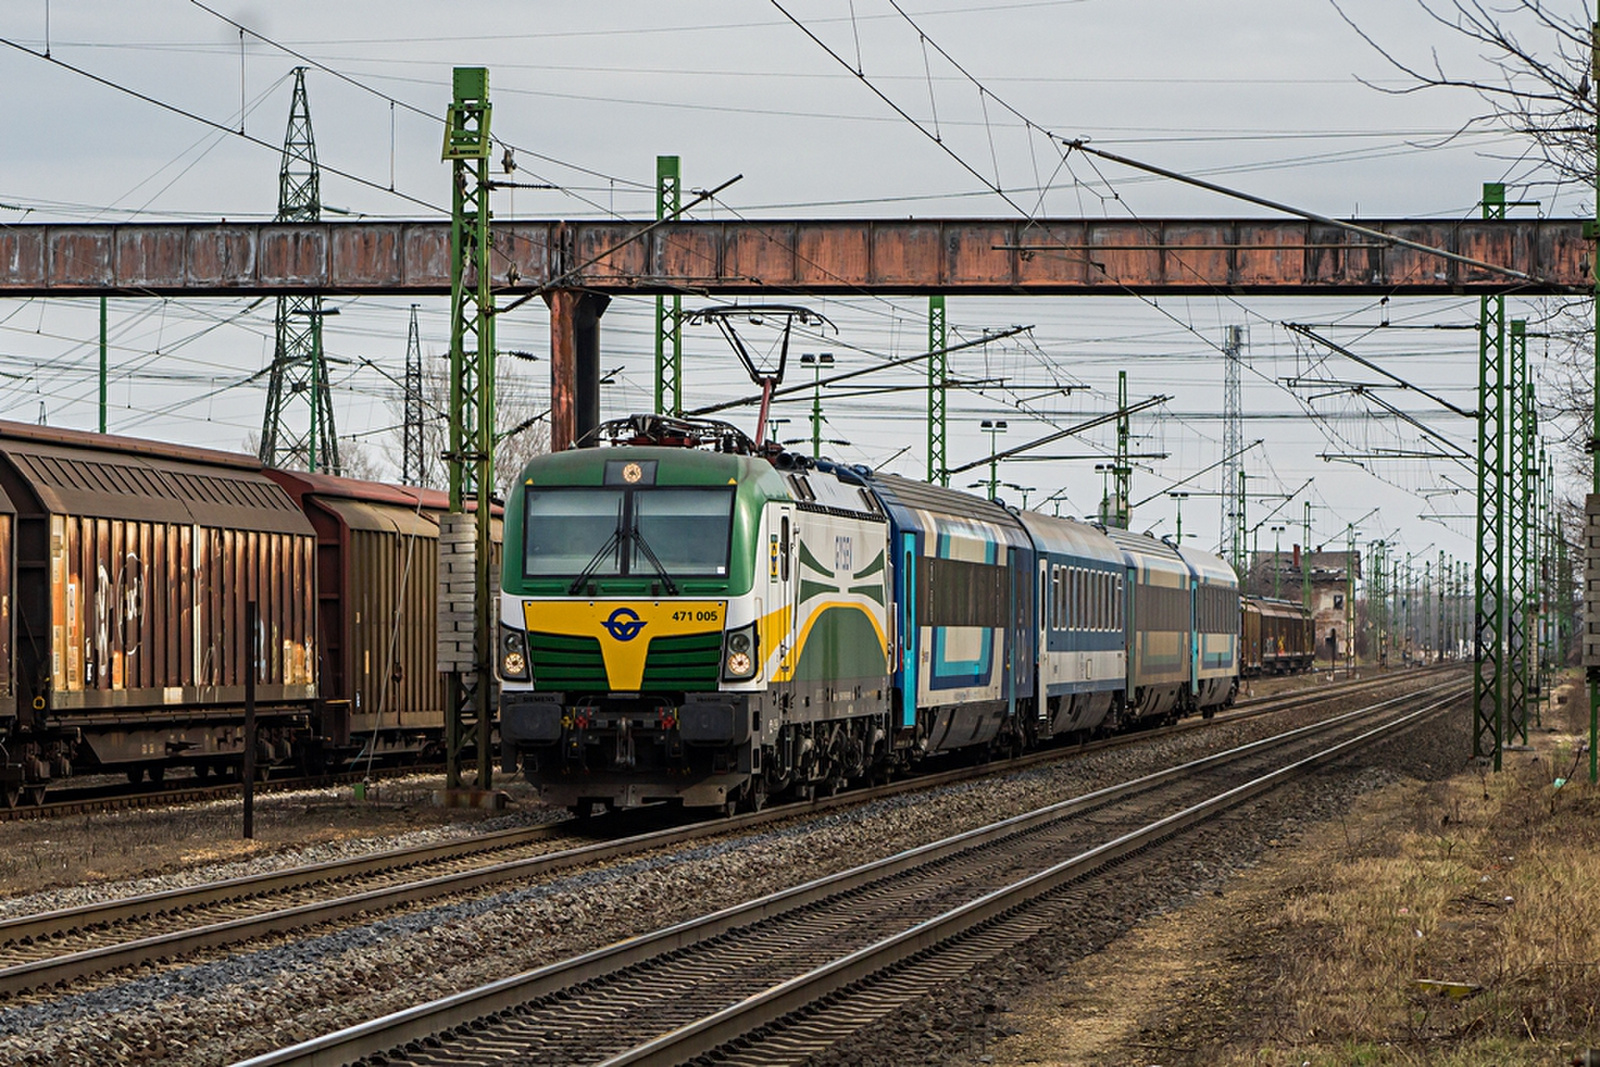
1265	95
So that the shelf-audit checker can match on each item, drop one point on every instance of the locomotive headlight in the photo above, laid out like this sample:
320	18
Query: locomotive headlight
739	654
513	655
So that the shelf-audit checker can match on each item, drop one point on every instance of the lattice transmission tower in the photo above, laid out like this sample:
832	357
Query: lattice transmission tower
1233	448
414	466
298	429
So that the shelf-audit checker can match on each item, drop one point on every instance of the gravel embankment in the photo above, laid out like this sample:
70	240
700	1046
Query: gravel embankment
230	1006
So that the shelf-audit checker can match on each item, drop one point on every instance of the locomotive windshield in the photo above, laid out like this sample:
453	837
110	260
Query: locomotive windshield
614	532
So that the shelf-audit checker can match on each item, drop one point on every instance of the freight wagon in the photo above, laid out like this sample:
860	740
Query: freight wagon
127	579
1278	635
125	568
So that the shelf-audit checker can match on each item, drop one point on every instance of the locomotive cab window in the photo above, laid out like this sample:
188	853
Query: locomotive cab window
614	532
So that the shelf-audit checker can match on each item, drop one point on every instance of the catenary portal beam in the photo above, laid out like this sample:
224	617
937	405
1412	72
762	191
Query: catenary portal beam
952	256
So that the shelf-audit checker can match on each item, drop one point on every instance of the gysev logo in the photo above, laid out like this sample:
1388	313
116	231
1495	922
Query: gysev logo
624	629
624	624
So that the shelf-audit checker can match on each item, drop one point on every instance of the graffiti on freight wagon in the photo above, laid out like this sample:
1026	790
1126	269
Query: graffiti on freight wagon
119	605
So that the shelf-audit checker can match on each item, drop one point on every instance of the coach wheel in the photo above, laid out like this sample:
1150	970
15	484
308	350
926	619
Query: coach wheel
36	795
158	774
755	797
135	775
9	795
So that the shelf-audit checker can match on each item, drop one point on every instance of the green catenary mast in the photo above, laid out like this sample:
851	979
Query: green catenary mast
466	147
1489	602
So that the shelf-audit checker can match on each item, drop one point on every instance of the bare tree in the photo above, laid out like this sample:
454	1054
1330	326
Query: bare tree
1538	91
521	413
1535	85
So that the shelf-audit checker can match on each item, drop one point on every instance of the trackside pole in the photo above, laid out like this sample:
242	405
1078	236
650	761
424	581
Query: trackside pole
248	772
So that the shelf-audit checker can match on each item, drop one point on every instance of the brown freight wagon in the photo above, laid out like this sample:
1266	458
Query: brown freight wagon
1277	636
377	611
134	561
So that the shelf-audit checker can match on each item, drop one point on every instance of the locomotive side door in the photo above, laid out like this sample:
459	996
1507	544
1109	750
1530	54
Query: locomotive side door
781	626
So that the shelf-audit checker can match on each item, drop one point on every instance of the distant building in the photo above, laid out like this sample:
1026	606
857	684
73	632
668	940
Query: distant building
1330	585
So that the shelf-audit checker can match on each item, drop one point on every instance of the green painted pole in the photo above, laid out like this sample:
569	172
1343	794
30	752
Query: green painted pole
1122	474
1489	598
938	374
669	313
1305	561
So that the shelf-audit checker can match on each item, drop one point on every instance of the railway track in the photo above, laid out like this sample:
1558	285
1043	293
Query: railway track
64	946
82	800
785	977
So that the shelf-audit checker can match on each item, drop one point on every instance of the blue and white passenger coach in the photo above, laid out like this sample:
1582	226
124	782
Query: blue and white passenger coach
1080	646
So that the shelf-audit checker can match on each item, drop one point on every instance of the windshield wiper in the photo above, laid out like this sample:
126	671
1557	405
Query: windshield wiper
612	542
649	554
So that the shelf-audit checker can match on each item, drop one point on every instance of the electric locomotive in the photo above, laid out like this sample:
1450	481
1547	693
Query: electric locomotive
682	620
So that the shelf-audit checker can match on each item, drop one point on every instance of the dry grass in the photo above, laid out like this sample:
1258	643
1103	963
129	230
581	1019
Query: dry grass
1496	883
1313	958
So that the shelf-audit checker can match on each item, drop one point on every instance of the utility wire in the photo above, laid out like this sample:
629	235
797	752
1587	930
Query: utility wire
176	110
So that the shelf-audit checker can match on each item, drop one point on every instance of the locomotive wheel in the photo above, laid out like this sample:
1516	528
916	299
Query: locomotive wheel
9	795
36	795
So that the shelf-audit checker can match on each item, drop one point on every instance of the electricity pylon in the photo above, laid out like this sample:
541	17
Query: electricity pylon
299	376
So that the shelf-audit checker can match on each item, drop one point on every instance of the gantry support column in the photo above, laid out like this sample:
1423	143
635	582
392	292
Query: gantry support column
669	310
574	366
1489	613
1122	473
470	712
1519	500
938	379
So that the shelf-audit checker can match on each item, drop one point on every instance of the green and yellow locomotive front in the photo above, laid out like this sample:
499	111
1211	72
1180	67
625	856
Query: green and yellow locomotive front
631	648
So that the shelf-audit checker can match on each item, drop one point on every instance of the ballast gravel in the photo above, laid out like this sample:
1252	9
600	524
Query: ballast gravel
232	1005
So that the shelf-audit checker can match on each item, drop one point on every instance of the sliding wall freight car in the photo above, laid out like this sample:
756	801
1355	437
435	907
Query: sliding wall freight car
131	566
125	568
377	581
1279	636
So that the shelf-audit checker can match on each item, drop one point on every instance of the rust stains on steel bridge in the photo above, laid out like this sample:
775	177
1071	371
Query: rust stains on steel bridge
852	256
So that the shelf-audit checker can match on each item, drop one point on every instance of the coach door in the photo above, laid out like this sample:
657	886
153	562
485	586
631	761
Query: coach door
1044	608
907	623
